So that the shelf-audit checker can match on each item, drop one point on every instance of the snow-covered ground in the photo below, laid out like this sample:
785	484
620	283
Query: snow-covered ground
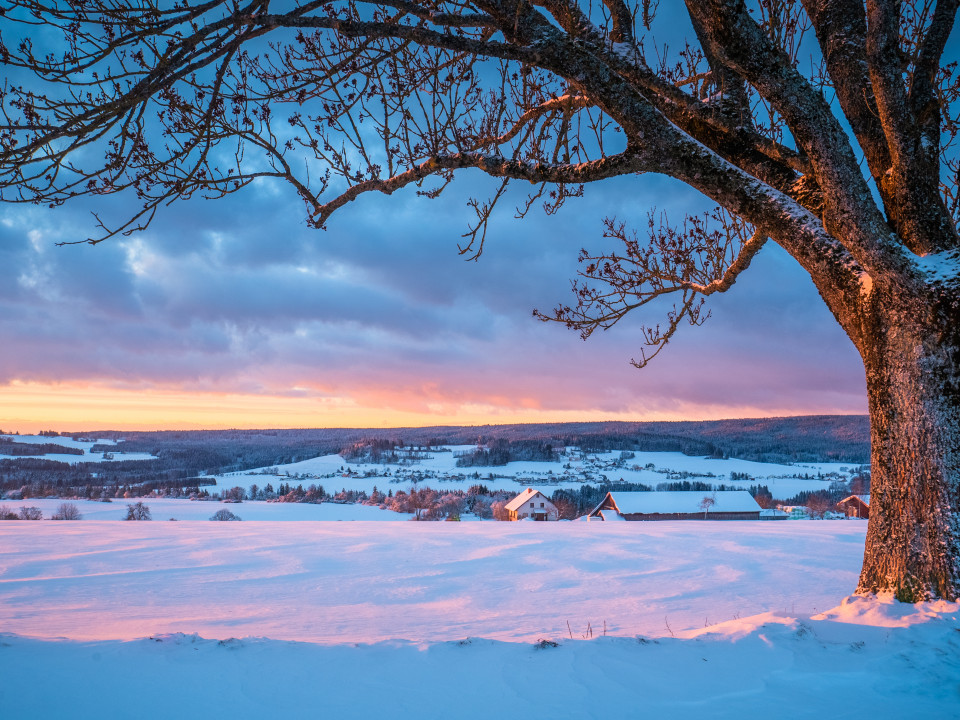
429	620
196	619
85	444
370	581
182	509
81	443
440	472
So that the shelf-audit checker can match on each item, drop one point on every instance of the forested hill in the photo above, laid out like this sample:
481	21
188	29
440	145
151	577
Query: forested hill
842	438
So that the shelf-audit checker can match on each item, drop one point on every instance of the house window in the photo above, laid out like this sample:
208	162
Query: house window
531	504
541	504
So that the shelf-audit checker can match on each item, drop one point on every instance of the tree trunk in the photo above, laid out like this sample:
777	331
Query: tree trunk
913	385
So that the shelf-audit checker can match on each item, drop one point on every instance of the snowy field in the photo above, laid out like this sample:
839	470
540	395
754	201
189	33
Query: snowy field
85	444
182	509
430	620
440	472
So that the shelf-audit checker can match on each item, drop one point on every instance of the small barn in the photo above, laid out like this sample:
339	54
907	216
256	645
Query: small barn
531	504
857	506
678	505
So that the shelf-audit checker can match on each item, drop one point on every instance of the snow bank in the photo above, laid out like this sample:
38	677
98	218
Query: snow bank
183	509
885	611
779	669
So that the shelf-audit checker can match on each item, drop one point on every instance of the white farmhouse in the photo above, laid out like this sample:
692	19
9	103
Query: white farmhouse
531	504
678	505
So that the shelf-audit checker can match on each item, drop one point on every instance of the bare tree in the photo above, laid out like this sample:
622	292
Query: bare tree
819	504
566	508
847	162
706	503
67	511
422	503
30	513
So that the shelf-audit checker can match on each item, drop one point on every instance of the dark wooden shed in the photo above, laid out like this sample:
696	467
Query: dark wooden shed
857	506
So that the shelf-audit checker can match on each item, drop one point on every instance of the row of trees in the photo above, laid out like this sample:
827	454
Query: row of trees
429	504
502	451
65	511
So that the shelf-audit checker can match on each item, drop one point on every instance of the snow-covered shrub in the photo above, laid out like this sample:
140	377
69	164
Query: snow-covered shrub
138	511
224	515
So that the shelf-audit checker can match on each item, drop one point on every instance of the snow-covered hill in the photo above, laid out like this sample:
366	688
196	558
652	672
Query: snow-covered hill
439	471
85	444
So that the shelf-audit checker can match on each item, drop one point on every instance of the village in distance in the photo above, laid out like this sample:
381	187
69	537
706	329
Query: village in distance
726	470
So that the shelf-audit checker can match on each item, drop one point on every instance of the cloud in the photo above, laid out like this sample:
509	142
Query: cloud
239	296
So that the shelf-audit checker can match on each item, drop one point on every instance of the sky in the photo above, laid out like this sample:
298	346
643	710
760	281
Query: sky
233	313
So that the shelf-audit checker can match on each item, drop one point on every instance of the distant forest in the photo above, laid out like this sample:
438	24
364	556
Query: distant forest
185	457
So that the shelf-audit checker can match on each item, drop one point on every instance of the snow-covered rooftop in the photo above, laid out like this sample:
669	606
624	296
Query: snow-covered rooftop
523	497
684	502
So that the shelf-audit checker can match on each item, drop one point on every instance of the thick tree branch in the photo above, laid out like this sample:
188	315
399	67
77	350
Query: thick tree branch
494	165
931	51
723	283
849	210
912	129
841	29
622	20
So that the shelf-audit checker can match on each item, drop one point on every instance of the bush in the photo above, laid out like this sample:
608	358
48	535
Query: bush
67	511
31	513
224	515
138	511
7	514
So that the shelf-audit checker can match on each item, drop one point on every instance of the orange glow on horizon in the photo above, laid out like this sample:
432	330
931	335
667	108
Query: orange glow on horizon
31	407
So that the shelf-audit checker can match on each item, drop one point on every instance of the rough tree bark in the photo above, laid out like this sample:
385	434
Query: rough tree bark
345	97
913	382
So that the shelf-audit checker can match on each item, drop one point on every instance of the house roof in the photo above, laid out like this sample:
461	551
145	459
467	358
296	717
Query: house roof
682	501
865	499
523	497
